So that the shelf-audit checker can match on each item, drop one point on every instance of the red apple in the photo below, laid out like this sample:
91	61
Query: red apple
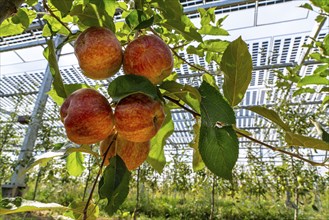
87	116
132	153
150	57
138	117
99	53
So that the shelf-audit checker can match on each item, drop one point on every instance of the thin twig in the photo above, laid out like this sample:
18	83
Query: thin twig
281	150
188	63
195	114
55	16
181	58
97	177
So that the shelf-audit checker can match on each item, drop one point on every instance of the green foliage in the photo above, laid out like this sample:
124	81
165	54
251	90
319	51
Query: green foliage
237	67
50	55
64	6
126	85
156	157
15	205
269	114
74	163
114	184
77	208
304	141
18	23
197	161
218	143
137	20
185	93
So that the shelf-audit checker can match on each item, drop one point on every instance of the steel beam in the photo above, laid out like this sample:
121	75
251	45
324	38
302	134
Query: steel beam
17	183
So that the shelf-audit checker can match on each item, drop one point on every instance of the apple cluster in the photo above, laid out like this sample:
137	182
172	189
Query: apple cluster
87	115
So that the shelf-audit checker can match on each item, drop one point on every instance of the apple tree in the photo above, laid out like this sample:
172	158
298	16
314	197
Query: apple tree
146	38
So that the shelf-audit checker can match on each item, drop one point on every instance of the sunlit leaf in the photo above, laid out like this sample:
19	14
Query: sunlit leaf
269	114
197	161
74	163
69	88
77	208
313	80
83	149
18	23
303	91
304	141
29	206
156	157
186	93
50	54
237	67
43	159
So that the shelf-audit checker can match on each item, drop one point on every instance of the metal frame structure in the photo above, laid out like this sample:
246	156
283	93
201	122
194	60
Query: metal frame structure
273	52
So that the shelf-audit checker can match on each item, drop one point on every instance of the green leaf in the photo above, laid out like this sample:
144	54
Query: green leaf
84	148
110	7
217	46
126	85
156	157
69	88
213	103
324	89
50	54
218	146
188	94
322	4
114	184
28	206
237	67
18	23
63	5
303	90
137	20
197	161
211	30
31	2
145	24
74	163
189	33
54	26
307	6
43	159
77	208
304	141
269	114
313	80
87	15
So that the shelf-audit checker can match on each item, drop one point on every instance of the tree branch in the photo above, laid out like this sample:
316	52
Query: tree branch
9	8
85	217
195	114
55	16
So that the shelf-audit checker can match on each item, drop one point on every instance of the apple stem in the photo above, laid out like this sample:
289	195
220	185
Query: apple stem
195	114
97	177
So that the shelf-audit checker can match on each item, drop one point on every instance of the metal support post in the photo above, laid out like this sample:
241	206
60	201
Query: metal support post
17	183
